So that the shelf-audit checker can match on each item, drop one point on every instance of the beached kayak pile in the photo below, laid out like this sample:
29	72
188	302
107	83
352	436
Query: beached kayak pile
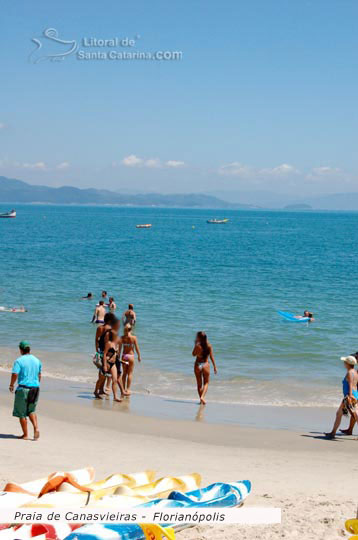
78	489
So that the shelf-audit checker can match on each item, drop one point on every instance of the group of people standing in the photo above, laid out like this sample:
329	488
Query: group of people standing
115	353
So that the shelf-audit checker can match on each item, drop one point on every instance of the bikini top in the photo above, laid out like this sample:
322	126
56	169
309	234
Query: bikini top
111	352
101	343
130	344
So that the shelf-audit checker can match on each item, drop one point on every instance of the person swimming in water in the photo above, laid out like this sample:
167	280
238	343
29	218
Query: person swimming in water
306	315
129	316
88	297
350	392
203	351
128	344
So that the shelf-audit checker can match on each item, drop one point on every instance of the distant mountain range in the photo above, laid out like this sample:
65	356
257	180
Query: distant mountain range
16	191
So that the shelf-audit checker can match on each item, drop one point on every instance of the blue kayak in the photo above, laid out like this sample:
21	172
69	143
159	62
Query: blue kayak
292	317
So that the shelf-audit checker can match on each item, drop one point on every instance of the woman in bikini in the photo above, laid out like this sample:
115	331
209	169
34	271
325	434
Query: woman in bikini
112	365
129	344
203	350
102	333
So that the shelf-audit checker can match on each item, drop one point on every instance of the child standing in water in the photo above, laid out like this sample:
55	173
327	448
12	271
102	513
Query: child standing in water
203	350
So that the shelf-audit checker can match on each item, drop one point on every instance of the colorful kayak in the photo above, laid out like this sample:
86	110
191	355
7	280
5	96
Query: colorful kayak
292	317
78	488
216	495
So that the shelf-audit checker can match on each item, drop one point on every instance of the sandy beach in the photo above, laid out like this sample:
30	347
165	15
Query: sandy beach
312	480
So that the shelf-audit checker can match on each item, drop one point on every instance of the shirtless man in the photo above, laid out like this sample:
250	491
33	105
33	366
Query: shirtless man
112	305
129	316
99	313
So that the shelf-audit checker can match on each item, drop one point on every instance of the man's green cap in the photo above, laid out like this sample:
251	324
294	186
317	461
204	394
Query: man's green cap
24	344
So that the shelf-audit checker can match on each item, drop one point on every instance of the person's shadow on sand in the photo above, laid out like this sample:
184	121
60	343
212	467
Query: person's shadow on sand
319	435
8	436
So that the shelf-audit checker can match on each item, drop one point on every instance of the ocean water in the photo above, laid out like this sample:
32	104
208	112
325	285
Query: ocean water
184	275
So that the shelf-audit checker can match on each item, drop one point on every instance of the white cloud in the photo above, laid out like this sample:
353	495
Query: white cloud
151	163
236	169
174	164
132	161
321	171
283	169
39	165
327	174
247	171
63	165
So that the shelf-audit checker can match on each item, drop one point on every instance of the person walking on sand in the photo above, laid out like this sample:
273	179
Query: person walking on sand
128	344
350	393
203	351
129	316
352	422
27	372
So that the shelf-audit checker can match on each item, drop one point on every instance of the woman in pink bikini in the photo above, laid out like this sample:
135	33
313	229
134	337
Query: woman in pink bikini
127	345
203	351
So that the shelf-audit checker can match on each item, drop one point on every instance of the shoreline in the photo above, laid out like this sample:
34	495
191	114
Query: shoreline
69	393
237	393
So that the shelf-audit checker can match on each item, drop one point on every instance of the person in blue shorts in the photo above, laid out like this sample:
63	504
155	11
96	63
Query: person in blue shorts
26	371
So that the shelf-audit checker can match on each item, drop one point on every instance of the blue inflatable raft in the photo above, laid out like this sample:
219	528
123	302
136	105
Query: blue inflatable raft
292	317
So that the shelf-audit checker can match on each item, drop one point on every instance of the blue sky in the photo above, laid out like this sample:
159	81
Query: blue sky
264	96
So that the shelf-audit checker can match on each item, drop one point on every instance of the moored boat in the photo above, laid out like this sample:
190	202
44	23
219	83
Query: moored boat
217	221
11	214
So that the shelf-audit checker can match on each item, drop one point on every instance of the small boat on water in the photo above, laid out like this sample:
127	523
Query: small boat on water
11	214
217	221
144	226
